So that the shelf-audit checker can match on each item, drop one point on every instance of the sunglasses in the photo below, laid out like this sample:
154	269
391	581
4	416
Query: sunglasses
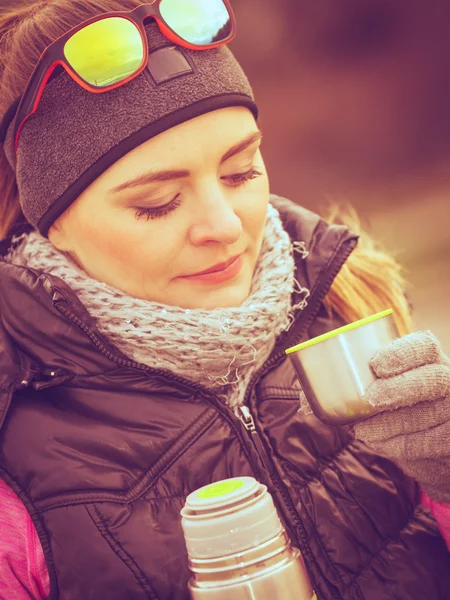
111	49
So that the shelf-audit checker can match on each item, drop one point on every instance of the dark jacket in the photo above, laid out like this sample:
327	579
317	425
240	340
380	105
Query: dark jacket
104	451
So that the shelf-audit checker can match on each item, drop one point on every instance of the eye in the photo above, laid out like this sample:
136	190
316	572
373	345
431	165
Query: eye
159	211
240	178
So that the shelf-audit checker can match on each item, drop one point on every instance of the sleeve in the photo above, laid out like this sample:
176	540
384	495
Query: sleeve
441	512
23	571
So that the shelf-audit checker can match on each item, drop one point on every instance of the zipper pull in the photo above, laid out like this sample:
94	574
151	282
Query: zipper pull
245	416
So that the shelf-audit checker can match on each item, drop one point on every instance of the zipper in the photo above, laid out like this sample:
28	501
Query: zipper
245	416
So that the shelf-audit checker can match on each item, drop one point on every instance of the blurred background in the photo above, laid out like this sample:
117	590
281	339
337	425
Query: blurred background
354	99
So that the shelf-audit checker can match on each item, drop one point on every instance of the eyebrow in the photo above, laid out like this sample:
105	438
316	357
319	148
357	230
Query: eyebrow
156	176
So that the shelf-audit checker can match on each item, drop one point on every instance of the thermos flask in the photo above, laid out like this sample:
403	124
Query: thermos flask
237	546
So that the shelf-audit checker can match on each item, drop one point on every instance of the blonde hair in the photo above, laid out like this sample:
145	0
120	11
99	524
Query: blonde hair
370	280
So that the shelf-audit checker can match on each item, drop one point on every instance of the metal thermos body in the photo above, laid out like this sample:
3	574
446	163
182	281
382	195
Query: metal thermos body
274	570
237	547
334	370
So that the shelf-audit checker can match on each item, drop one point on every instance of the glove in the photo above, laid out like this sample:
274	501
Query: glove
413	388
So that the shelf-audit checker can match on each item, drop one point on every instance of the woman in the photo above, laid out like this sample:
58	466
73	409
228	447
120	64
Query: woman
128	379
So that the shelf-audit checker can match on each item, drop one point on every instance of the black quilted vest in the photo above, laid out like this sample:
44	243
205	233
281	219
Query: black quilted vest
104	451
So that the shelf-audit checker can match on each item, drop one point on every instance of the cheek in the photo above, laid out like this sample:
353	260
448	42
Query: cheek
107	243
253	210
129	248
107	246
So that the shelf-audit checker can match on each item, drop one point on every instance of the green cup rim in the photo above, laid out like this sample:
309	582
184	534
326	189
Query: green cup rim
336	332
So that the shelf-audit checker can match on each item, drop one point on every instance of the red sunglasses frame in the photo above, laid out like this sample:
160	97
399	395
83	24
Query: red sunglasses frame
53	56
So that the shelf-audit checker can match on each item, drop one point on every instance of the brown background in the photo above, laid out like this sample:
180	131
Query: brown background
355	105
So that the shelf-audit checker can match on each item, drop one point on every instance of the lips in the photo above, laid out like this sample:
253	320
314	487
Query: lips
218	267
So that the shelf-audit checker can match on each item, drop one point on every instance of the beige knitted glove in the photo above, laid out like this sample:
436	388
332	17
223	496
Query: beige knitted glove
413	384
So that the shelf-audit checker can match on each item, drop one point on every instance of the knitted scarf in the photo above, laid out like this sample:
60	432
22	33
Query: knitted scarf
221	348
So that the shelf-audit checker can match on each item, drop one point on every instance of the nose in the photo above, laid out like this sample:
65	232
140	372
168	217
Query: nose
215	219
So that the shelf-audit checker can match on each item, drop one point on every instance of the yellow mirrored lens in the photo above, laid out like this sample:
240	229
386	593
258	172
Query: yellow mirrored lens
105	52
199	22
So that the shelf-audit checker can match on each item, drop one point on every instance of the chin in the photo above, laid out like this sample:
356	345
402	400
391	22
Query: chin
233	299
223	297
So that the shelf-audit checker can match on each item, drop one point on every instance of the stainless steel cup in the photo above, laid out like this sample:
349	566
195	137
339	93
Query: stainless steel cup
334	368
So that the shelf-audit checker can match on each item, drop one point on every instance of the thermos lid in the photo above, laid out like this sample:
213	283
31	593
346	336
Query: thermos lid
222	493
227	517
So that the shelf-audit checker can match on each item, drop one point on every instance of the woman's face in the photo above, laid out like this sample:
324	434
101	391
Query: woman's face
182	202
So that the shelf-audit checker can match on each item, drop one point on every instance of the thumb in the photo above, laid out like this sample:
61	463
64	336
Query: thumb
406	353
429	382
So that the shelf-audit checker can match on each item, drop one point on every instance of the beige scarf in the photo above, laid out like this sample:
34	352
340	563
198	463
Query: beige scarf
221	348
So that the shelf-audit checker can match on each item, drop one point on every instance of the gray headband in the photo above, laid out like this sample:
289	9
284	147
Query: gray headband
76	135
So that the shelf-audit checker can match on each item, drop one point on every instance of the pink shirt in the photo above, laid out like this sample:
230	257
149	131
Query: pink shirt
23	572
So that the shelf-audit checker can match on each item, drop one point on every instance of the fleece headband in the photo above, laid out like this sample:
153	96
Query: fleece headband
76	135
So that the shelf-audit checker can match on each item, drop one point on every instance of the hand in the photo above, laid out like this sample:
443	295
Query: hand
413	387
